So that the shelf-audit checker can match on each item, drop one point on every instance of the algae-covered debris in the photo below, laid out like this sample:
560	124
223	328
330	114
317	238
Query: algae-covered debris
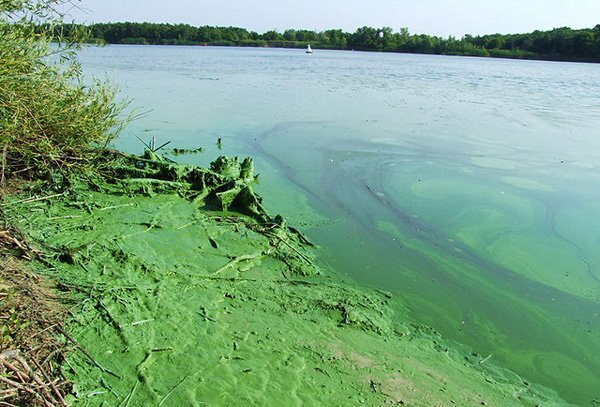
228	183
189	293
186	151
231	168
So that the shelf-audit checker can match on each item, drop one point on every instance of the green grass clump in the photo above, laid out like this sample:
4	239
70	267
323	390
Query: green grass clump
50	119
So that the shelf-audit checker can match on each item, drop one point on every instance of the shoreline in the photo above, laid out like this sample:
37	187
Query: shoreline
236	296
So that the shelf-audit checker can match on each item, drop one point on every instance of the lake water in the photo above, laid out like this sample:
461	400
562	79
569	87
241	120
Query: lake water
469	187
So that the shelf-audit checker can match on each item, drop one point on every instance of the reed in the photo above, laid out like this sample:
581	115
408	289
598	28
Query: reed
51	119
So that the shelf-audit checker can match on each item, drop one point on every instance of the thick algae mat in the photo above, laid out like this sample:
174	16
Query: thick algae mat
178	301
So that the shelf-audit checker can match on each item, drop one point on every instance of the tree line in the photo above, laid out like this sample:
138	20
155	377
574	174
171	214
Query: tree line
562	44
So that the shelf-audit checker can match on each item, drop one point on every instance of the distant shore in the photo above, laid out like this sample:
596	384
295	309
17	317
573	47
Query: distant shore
560	44
314	48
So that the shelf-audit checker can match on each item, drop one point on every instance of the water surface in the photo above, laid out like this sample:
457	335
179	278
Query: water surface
468	186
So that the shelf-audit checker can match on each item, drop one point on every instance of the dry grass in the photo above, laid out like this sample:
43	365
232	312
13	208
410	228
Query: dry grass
30	317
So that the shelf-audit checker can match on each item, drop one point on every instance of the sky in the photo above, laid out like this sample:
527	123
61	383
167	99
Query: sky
433	17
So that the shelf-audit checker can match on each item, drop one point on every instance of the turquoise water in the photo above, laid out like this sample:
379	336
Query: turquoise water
468	186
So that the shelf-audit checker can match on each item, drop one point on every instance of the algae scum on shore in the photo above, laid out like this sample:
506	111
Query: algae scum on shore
185	292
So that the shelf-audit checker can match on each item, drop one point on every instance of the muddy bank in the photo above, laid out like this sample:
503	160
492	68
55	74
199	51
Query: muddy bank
184	291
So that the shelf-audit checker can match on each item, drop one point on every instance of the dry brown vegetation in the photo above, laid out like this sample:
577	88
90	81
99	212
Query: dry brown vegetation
30	318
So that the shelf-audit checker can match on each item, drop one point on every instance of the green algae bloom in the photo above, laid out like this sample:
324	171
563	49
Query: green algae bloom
186	292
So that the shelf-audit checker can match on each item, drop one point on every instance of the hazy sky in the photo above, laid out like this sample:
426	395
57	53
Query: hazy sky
436	17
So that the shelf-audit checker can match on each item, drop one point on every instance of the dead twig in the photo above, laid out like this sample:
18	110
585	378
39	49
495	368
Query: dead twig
128	398
302	256
18	386
52	386
23	377
237	260
482	361
85	352
3	175
172	390
31	365
43	386
5	237
31	199
26	389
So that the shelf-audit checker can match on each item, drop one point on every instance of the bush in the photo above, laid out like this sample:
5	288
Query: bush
50	119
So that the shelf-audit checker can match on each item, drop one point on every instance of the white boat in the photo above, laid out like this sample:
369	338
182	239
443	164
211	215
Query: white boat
309	49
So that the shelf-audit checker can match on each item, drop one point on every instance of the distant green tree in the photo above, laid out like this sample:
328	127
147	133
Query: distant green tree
272	36
335	39
494	42
596	44
364	38
289	35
